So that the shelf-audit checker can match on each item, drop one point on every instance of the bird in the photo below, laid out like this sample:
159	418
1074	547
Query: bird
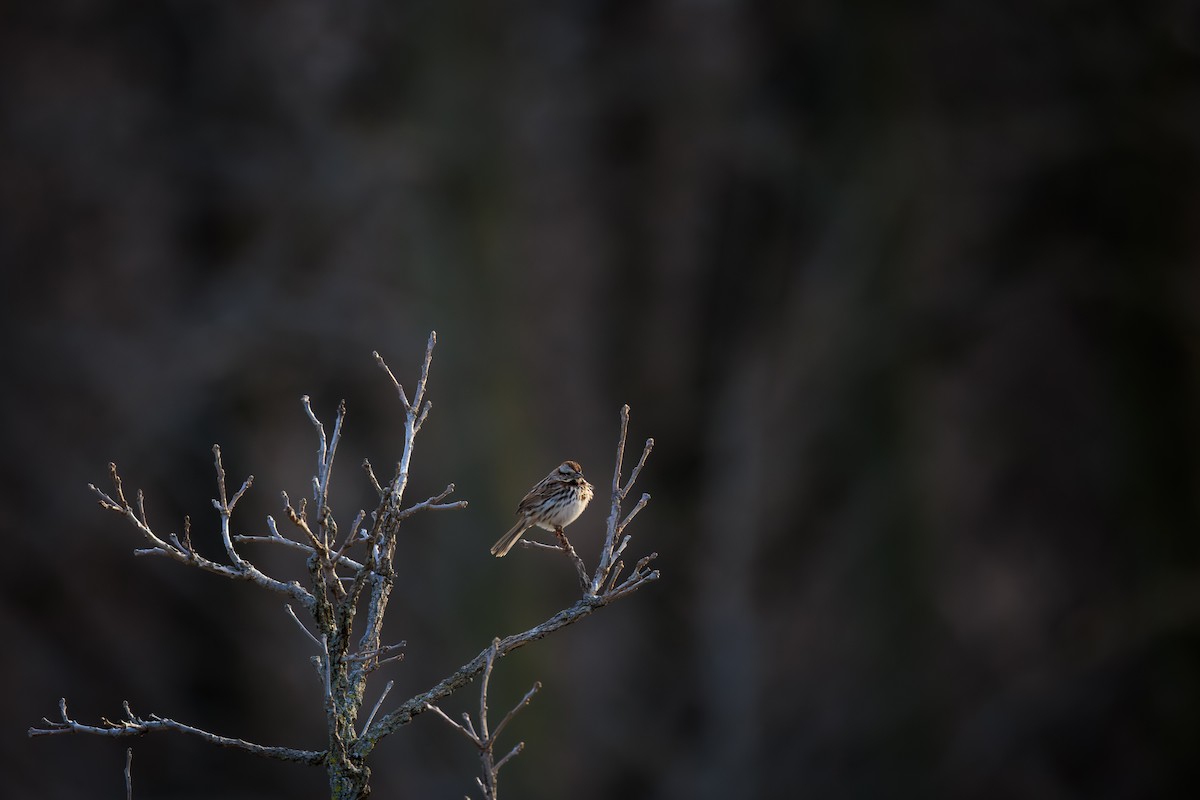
553	503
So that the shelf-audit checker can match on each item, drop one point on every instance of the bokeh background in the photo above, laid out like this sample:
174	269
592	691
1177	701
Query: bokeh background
905	293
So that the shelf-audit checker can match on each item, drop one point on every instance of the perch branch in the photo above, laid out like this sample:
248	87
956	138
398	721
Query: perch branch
564	547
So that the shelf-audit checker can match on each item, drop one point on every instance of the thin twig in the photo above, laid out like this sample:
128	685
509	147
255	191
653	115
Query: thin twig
458	727
128	773
302	626
470	726
371	476
399	389
352	536
378	703
297	518
621	547
516	750
301	547
422	382
433	504
641	503
225	508
513	712
612	577
633	476
322	445
327	667
376	658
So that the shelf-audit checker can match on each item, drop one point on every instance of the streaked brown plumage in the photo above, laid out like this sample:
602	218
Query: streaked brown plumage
554	503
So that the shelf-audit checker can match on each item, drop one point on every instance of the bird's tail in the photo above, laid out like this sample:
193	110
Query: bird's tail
500	549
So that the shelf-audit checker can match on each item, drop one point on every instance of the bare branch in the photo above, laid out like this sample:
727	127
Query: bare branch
326	451
458	727
297	518
224	507
513	712
300	547
238	495
378	703
136	726
615	524
641	503
621	547
302	626
565	545
399	389
141	507
633	476
488	663
482	739
616	571
469	725
424	413
116	479
185	554
516	750
433	504
371	476
419	397
413	707
616	481
312	417
641	574
351	537
377	657
534	544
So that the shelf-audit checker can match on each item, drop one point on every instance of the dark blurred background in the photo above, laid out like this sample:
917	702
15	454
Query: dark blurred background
907	297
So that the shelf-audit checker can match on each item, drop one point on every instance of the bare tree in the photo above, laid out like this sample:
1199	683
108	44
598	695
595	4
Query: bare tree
342	586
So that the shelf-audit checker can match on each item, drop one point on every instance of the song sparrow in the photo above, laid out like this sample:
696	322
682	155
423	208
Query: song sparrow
554	503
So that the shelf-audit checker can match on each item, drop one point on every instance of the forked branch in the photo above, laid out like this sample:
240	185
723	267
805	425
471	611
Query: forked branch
481	737
616	525
183	552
